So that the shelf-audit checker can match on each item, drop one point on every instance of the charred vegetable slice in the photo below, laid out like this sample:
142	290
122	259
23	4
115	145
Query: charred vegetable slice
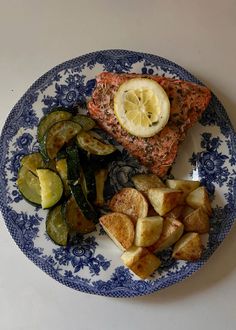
75	219
29	187
50	119
51	164
32	162
87	175
61	167
79	169
84	205
51	187
57	135
73	163
93	145
85	122
56	226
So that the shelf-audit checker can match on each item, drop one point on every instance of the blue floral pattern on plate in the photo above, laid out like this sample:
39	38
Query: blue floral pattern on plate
93	264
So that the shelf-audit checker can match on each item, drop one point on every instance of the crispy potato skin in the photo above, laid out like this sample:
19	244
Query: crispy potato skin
185	185
171	232
199	198
197	221
148	230
188	248
130	202
164	200
176	213
120	228
143	182
140	261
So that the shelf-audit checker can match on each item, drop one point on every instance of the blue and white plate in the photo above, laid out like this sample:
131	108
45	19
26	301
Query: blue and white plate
93	265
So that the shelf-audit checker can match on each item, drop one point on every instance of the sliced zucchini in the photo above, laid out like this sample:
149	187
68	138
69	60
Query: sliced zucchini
61	167
51	164
51	187
93	145
62	154
48	120
85	122
28	185
32	161
73	163
84	205
56	226
90	182
87	176
76	220
57	135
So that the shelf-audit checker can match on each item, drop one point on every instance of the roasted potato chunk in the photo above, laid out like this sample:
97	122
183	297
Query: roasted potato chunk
164	200
172	230
197	221
143	182
120	228
175	213
140	261
199	198
148	230
189	247
186	211
151	211
130	202
185	185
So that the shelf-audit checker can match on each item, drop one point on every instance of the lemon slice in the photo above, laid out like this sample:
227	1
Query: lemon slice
142	107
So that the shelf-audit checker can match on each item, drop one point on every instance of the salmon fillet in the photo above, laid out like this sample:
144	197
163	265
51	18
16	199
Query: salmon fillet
187	102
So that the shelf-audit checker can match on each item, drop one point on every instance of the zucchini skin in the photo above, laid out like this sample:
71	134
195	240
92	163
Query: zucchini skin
56	220
86	122
27	192
89	175
73	163
75	219
61	168
32	161
55	115
84	205
57	136
93	145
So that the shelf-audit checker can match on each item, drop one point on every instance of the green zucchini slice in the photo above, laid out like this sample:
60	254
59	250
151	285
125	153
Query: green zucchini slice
57	135
28	185
85	122
76	220
84	205
48	120
61	167
73	163
87	175
32	162
51	187
93	145
56	226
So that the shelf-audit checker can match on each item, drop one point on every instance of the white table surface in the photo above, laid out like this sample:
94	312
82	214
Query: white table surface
37	35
